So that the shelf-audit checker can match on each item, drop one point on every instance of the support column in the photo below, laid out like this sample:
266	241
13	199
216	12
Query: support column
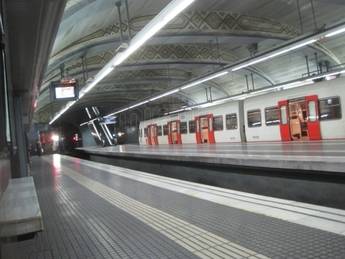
20	150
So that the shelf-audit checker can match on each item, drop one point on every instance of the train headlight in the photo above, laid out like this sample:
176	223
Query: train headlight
55	137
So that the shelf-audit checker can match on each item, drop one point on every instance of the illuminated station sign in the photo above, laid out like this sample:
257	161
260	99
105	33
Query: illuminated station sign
64	90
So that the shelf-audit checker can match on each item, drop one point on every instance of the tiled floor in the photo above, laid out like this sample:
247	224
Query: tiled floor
90	213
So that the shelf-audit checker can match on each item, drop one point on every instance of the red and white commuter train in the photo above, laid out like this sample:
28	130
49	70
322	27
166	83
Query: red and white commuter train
310	112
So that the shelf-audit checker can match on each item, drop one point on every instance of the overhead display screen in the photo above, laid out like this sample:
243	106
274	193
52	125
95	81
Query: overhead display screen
64	90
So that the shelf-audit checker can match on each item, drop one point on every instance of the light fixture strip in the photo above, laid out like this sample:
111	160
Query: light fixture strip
164	95
197	82
274	54
243	96
173	9
335	32
166	15
84	123
203	80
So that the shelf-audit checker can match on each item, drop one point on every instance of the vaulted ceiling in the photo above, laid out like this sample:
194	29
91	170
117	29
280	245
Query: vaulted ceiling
207	36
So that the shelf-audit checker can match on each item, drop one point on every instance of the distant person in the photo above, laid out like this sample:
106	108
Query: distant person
39	148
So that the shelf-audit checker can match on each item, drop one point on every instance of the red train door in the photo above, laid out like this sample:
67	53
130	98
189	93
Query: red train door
284	120
204	129
299	119
169	133
152	135
174	132
313	121
197	130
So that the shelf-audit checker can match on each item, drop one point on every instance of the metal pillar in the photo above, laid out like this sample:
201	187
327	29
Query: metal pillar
300	16
307	63
128	21
247	83
317	62
252	76
210	89
313	12
118	5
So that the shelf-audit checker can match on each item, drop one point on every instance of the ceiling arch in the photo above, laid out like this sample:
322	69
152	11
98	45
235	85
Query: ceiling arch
209	35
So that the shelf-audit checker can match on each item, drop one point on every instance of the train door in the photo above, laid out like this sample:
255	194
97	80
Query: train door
174	132
284	120
152	136
204	129
313	122
299	119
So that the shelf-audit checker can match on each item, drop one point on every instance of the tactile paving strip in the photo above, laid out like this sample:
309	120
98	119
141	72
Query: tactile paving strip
80	224
196	240
272	237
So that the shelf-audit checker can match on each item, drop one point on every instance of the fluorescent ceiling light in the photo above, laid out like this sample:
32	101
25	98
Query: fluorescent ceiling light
171	92
87	122
84	123
253	94
173	9
179	110
325	75
273	55
164	95
200	81
88	112
99	77
117	112
67	106
335	32
138	104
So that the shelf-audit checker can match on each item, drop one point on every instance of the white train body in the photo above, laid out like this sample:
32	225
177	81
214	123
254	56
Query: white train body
310	112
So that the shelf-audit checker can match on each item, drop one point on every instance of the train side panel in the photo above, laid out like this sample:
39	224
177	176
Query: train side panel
188	138
225	135
330	129
263	132
334	129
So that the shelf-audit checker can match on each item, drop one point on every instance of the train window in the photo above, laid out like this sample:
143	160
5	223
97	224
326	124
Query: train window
272	116
283	115
312	111
145	132
231	121
330	108
159	131
191	126
183	127
218	123
254	118
165	130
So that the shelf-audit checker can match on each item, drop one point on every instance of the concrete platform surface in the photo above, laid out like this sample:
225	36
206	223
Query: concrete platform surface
323	156
92	210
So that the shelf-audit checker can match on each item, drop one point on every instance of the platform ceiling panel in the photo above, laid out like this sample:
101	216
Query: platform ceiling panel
205	37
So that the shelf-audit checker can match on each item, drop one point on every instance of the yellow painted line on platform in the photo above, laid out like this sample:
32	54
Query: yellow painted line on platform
198	241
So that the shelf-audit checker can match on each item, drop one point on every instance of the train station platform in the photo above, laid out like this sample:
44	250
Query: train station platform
93	210
321	156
